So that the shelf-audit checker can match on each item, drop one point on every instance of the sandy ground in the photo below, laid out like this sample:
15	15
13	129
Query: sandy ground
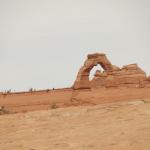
112	126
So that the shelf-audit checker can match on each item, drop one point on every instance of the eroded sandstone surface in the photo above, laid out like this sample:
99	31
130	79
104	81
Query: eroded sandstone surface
112	126
112	76
113	84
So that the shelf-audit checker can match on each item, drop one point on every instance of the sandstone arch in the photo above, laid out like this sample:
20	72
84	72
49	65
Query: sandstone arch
82	81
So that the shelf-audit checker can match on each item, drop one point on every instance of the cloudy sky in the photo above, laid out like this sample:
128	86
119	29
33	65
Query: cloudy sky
43	43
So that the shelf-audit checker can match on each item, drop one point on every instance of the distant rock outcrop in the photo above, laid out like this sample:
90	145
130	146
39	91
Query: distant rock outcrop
112	76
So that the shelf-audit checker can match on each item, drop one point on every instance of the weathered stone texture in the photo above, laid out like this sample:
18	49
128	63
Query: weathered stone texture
112	76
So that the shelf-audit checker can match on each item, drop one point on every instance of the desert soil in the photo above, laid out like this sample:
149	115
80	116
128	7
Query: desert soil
111	126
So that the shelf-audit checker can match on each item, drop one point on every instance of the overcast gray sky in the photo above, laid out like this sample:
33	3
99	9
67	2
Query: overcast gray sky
43	43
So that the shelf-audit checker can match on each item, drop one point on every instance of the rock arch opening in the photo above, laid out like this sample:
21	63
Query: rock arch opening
82	80
95	70
112	76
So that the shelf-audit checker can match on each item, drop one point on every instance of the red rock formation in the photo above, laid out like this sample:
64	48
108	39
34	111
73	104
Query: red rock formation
112	76
82	80
133	80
